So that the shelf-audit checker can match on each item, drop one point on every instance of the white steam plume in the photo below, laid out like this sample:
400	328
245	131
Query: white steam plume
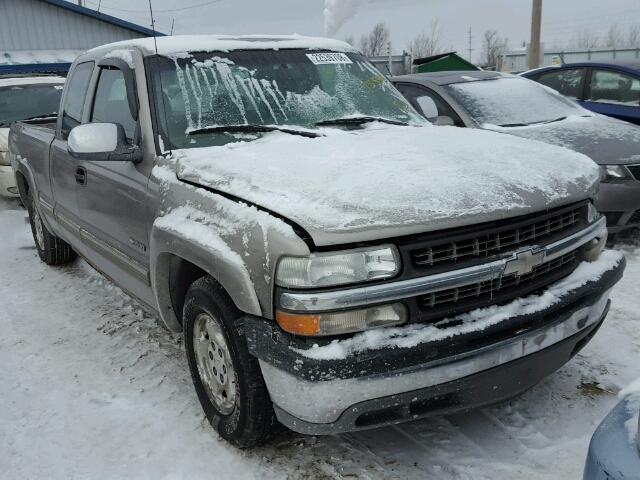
338	12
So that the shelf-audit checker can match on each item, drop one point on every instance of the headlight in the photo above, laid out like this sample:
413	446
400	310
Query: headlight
338	268
340	323
614	173
4	158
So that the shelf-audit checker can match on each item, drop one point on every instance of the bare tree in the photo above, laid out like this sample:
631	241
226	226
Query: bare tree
375	43
429	42
585	40
614	38
633	36
493	46
350	40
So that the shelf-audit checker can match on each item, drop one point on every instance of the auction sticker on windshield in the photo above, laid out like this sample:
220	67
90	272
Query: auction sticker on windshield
328	58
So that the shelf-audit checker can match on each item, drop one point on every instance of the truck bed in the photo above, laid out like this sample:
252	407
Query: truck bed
29	142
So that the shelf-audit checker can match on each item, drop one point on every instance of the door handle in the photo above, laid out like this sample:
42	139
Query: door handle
81	175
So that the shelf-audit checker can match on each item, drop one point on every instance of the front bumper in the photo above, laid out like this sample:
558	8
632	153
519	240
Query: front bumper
620	202
8	187
392	385
613	455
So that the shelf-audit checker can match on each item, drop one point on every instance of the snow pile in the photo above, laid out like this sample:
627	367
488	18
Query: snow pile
477	320
389	176
633	407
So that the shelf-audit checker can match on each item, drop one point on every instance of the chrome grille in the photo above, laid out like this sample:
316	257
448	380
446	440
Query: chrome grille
509	286
635	171
468	248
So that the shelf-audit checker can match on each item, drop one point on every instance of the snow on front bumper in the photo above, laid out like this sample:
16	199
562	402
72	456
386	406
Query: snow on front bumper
333	388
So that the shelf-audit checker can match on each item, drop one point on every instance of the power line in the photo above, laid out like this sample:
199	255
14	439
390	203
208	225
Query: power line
166	10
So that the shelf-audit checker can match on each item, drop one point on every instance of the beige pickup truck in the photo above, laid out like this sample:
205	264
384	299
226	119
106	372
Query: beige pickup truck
334	262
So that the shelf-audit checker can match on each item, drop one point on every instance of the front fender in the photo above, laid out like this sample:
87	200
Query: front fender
207	251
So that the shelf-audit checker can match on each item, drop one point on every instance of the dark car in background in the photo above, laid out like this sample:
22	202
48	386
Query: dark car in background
614	451
517	106
611	88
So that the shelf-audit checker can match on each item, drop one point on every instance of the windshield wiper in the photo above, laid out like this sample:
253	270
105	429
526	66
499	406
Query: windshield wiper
544	122
252	128
509	125
559	119
41	116
359	121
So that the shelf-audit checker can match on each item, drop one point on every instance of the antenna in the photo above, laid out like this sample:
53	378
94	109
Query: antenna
164	107
153	27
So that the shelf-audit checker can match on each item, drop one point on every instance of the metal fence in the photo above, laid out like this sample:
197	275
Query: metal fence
394	64
518	61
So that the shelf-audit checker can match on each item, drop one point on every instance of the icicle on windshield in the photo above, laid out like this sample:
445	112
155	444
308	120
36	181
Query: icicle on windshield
215	98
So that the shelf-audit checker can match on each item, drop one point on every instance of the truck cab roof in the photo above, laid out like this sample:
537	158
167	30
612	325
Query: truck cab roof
203	43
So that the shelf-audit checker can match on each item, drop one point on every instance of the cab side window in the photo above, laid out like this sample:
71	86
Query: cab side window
75	97
613	87
568	82
111	103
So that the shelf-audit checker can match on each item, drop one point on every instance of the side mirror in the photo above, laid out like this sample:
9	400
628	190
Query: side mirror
102	142
428	106
444	121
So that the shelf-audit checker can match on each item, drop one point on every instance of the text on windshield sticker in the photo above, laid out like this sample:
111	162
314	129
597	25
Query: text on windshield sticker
328	58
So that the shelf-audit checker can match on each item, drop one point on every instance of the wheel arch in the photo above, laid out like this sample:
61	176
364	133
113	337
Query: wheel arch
177	262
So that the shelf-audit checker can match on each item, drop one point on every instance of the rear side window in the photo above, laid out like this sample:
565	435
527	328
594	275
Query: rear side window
613	87
111	104
568	82
73	106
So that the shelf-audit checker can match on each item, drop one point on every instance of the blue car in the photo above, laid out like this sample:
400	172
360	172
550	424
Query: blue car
614	452
611	88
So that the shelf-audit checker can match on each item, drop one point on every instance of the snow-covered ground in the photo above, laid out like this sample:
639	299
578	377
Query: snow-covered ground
92	387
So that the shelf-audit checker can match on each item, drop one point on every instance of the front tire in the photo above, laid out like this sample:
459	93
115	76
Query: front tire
51	249
226	377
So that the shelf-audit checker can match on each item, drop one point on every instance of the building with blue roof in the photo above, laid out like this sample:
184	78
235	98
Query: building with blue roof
45	36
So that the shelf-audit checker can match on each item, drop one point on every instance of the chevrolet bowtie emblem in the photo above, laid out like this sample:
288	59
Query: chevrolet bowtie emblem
524	261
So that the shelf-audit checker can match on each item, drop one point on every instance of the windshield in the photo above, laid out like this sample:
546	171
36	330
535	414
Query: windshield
19	102
512	102
197	94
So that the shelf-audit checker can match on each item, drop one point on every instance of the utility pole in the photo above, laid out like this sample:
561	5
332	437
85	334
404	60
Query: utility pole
80	3
173	22
470	43
536	26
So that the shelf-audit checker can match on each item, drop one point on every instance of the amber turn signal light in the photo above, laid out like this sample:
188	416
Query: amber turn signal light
307	325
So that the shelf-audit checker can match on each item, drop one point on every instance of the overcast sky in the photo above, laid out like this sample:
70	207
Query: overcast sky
562	19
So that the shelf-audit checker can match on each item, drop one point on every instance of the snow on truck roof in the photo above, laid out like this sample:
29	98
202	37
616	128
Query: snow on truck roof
209	43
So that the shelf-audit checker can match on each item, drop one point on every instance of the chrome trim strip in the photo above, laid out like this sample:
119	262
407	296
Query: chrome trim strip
116	256
392	291
339	395
45	205
66	222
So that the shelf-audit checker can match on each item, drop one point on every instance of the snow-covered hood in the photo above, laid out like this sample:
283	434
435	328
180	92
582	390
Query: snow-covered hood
387	181
4	139
605	140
